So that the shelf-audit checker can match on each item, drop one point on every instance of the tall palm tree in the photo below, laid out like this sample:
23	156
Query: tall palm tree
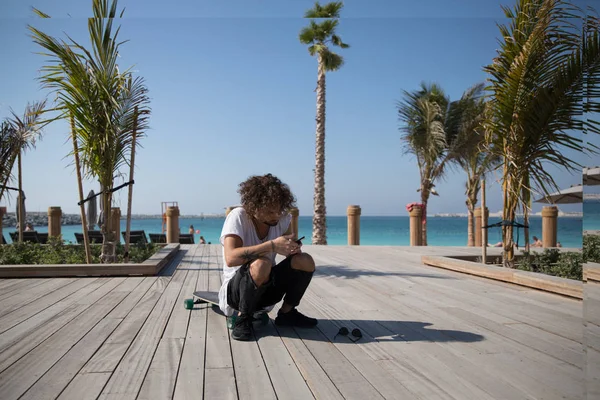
102	101
8	154
423	113
550	52
465	121
27	130
320	36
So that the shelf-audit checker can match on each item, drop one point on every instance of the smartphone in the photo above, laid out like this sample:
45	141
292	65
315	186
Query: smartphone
299	241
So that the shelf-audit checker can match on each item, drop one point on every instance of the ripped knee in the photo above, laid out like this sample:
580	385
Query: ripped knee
260	271
303	262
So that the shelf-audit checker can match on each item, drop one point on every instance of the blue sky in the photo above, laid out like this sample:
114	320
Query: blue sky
232	95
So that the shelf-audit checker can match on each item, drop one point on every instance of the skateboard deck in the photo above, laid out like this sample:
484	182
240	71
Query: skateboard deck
203	297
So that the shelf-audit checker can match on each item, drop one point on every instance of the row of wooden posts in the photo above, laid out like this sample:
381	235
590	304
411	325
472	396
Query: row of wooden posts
549	224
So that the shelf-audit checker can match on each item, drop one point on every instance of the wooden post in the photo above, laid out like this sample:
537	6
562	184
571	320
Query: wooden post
115	214
484	231
480	220
54	221
173	225
415	226
295	213
2	213
549	224
353	213
130	194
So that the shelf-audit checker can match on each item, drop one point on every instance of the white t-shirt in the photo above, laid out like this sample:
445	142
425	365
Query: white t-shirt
239	223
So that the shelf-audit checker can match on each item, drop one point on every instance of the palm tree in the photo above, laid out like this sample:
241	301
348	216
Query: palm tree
320	36
465	122
102	101
423	113
26	130
550	52
8	154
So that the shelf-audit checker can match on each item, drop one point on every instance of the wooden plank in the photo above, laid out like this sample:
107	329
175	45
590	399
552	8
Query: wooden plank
10	287
29	341
21	375
37	312
285	376
190	377
52	383
344	375
60	375
219	375
390	304
178	322
422	377
128	377
159	382
316	378
108	356
85	386
46	293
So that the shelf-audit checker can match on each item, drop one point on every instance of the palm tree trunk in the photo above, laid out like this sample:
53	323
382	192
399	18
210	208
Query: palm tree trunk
319	234
86	240
424	200
108	236
508	214
20	200
526	223
130	195
470	227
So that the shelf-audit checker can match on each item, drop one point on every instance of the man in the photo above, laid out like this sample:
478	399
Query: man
252	236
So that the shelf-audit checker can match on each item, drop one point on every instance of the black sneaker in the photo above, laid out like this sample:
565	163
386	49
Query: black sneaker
295	318
242	330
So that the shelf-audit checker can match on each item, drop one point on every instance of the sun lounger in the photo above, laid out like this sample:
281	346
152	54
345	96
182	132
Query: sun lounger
158	238
186	238
29	236
135	237
93	236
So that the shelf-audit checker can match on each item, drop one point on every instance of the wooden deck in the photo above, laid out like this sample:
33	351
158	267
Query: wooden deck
428	334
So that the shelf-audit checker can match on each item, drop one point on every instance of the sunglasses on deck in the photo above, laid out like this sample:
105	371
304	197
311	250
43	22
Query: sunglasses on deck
355	332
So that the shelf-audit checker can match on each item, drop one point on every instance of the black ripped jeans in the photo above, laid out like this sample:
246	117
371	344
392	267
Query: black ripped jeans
243	294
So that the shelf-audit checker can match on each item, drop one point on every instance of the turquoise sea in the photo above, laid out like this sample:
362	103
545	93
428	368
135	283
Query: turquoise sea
394	231
591	215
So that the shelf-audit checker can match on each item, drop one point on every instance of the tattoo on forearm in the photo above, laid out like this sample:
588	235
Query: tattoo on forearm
250	256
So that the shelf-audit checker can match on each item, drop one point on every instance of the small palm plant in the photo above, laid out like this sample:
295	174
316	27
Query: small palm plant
102	101
542	83
26	131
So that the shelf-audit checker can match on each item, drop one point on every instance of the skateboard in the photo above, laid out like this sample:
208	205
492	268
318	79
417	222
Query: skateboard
202	297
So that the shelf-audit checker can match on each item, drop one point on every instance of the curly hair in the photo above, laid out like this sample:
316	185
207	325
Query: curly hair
259	192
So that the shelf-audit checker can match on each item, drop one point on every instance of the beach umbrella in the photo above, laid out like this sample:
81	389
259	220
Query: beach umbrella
591	176
21	200
92	211
572	195
100	211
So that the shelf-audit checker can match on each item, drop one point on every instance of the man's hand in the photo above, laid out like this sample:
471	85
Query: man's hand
286	245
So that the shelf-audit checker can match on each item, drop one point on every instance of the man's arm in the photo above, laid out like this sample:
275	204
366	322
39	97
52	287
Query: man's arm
236	254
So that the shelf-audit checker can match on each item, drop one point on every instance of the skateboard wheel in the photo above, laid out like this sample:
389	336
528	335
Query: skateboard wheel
231	321
189	304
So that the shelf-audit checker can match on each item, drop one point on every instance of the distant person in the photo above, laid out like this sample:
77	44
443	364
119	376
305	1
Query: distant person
191	231
202	241
558	244
537	242
28	227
